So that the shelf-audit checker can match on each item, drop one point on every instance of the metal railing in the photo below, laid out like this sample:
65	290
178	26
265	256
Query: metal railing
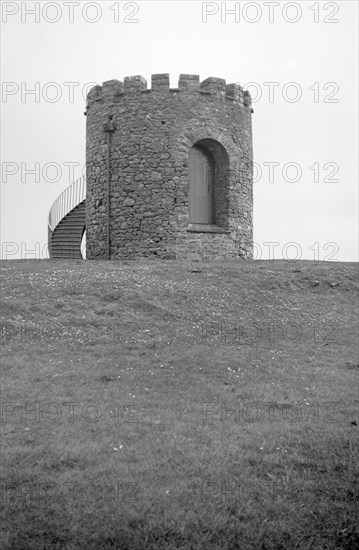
66	201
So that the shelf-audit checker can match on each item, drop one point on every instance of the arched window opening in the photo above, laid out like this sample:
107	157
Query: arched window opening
201	168
208	194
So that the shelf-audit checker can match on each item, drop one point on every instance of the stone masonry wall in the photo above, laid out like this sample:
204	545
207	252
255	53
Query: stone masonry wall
151	133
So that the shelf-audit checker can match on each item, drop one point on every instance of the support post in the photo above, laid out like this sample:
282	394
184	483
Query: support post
108	127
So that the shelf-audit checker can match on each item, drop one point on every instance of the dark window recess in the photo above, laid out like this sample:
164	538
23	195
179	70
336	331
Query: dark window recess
201	180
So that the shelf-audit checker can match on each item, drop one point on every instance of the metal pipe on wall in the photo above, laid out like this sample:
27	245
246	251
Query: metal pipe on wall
108	128
108	195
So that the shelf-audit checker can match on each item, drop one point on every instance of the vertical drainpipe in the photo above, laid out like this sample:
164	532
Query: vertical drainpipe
108	127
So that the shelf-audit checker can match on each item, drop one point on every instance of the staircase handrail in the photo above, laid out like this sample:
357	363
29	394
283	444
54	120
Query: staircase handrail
73	195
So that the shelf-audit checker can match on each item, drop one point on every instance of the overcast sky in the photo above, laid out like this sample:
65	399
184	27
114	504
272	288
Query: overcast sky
304	123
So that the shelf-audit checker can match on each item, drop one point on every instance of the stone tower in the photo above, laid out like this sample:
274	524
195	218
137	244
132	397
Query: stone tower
169	170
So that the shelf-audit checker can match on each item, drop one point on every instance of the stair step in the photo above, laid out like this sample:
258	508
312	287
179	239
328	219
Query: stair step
67	226
65	236
66	257
69	230
74	222
65	230
63	246
66	248
76	213
77	226
67	242
67	245
75	247
63	249
75	218
70	223
62	238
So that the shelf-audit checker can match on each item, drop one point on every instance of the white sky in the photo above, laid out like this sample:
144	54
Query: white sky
172	37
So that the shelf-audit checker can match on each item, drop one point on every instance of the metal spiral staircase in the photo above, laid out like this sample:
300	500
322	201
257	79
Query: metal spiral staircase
66	224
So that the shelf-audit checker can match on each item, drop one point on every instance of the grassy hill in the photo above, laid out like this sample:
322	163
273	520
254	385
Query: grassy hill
167	405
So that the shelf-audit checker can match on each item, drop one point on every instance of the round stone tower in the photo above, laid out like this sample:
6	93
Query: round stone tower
169	171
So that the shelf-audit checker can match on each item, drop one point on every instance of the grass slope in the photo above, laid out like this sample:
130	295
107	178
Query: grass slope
167	405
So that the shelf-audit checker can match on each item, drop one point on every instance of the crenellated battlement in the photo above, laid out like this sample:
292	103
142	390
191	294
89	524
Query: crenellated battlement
210	89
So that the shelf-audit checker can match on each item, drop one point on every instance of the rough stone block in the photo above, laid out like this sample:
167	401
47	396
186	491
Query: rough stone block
160	82
188	81
111	89
214	85
134	84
